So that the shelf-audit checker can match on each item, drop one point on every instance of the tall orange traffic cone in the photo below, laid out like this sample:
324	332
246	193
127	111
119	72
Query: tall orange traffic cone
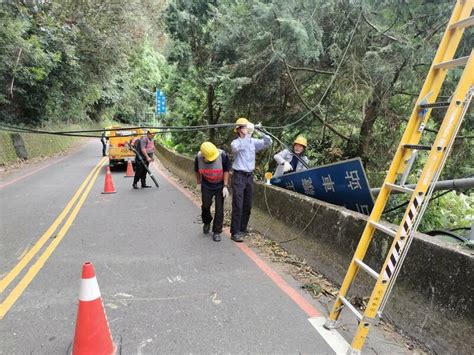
130	172
109	187
92	329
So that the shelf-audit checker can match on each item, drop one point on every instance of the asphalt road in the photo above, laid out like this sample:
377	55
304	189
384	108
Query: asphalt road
166	287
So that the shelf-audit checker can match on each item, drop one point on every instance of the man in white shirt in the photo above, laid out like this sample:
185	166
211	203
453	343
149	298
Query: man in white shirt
244	148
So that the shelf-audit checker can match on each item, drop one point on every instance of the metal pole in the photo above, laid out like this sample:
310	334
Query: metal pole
455	184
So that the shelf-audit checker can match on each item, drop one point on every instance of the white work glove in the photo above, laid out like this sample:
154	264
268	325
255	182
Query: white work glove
287	167
257	132
250	128
225	192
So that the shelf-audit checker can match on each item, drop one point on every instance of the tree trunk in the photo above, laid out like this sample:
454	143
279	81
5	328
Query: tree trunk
210	112
370	115
365	135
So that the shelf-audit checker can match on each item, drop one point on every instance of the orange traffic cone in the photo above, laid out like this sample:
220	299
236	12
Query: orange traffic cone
109	187
92	329
130	172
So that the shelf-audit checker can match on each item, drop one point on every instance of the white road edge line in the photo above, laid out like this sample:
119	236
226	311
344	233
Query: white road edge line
331	337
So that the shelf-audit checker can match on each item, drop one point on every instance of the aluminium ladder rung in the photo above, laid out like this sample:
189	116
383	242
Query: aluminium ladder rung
452	63
403	189
464	23
367	268
417	146
351	307
441	104
461	18
383	228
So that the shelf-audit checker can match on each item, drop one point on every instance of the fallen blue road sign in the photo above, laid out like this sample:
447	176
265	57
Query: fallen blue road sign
344	184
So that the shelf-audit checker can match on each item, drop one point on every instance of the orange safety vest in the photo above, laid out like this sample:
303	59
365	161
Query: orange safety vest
211	171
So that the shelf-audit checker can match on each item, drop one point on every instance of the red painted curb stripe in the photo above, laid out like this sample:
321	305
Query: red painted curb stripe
41	168
282	284
272	274
31	173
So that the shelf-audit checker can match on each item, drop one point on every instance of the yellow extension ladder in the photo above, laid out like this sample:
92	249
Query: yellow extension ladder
408	148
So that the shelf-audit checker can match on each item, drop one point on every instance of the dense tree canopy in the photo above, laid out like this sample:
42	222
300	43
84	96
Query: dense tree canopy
360	65
344	73
77	60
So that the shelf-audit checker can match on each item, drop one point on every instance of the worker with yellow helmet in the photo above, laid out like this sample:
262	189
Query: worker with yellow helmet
211	168
289	161
244	148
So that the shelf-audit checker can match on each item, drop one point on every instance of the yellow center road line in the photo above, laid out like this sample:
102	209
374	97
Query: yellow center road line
22	254
36	267
26	258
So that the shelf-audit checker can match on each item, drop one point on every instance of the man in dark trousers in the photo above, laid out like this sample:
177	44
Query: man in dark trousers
103	140
244	148
145	147
211	167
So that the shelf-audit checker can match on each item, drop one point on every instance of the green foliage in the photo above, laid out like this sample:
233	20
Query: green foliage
76	61
80	61
449	211
270	61
313	288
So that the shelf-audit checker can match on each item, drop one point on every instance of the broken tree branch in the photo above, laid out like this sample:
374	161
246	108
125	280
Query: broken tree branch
13	75
311	70
303	101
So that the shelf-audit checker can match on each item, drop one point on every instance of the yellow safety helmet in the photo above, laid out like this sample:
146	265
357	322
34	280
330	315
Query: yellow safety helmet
209	151
301	140
241	122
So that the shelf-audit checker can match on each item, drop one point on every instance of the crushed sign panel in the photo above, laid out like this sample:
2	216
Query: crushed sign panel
344	184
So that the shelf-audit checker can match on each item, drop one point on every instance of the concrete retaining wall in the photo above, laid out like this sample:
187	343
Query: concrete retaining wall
433	299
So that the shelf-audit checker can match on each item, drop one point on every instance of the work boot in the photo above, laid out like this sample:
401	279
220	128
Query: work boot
206	228
135	187
237	237
216	237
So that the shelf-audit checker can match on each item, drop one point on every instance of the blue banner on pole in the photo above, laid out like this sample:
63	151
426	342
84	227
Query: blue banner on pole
160	102
344	184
